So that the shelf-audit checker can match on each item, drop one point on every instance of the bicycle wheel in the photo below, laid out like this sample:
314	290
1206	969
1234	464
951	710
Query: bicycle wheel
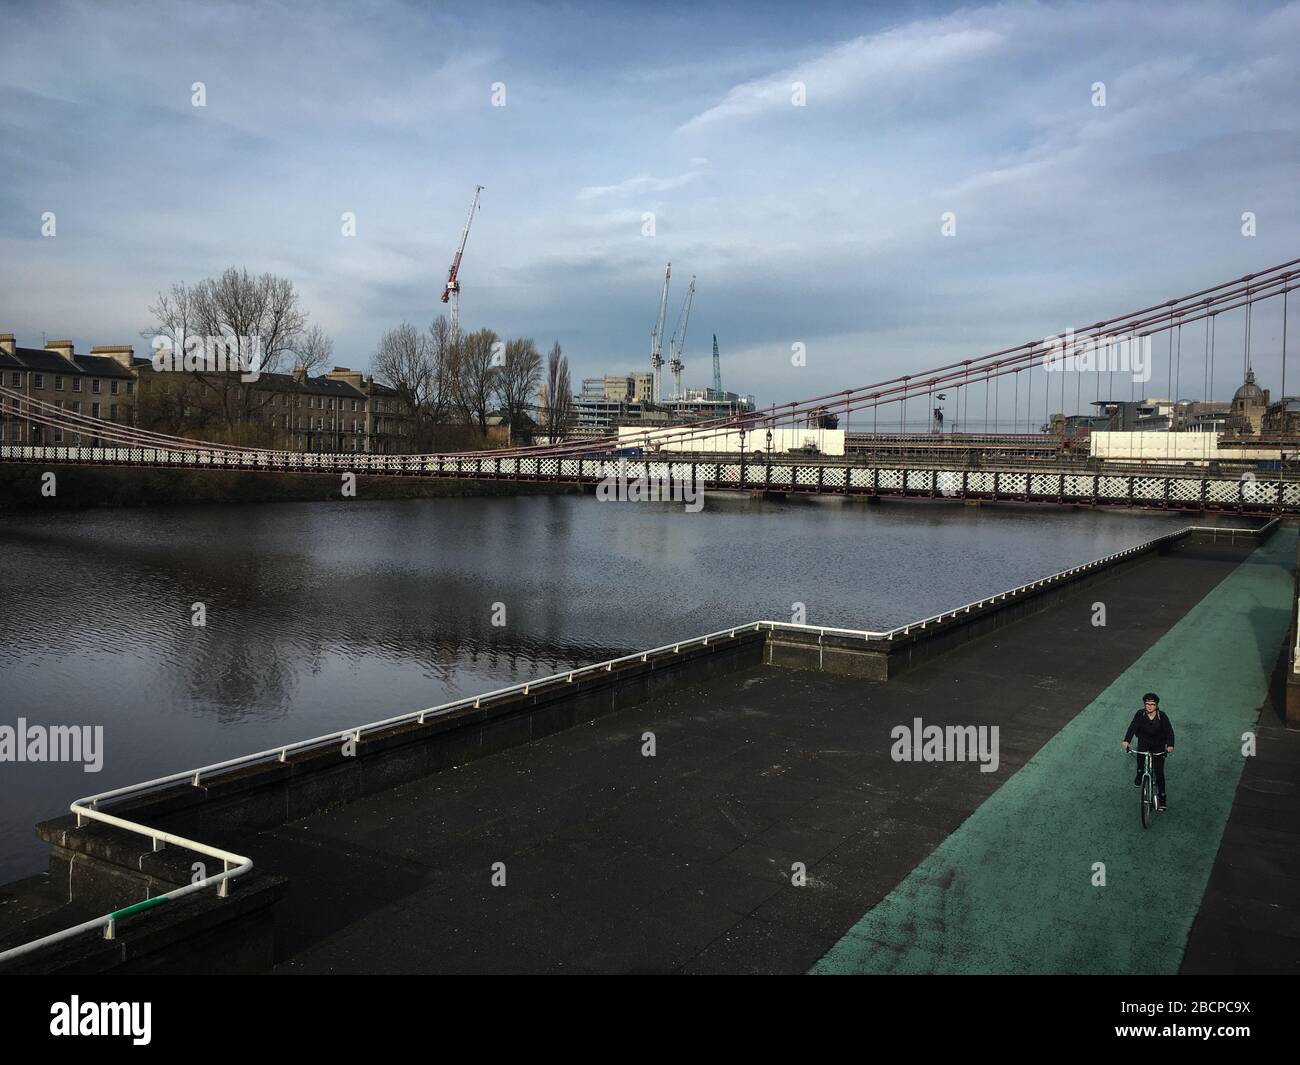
1147	801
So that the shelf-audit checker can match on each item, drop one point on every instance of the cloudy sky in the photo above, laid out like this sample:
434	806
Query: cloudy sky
816	224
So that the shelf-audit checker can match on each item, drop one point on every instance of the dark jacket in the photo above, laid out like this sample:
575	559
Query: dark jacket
1153	735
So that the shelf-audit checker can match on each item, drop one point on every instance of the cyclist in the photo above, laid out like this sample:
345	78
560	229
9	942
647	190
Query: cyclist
1154	733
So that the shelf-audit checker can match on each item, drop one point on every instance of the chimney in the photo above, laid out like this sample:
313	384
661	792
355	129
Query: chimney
7	343
342	373
122	354
60	347
300	374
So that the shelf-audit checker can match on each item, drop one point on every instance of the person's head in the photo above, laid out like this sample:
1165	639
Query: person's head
1151	702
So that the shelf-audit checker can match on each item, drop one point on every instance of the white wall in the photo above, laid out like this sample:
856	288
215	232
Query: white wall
828	441
1173	447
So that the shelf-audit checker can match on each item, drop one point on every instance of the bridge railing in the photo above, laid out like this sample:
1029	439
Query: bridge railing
1158	487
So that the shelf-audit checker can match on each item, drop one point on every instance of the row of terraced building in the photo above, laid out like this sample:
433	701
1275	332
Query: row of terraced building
343	410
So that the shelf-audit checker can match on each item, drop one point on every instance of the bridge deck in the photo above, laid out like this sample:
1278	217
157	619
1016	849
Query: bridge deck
618	862
1159	488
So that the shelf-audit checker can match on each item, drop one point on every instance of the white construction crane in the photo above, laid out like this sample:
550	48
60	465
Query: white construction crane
452	290
657	338
676	346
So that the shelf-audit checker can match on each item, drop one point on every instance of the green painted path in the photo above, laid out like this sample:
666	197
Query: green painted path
1011	891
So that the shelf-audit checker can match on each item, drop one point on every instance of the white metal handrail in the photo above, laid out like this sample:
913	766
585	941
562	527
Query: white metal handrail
87	808
904	630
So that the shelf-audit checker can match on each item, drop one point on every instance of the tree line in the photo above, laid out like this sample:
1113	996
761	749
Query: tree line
449	383
445	379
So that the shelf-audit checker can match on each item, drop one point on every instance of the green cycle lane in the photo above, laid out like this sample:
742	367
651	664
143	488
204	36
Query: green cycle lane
1012	890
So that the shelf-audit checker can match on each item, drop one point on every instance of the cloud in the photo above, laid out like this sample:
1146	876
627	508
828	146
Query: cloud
873	65
644	183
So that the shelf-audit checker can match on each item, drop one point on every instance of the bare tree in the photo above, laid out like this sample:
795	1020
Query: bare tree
404	360
476	366
559	395
443	351
175	317
516	380
260	322
313	349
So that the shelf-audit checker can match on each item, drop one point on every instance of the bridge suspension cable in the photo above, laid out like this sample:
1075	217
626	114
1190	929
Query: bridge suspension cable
1206	304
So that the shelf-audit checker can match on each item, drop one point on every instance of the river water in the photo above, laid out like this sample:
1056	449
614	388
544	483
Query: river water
324	615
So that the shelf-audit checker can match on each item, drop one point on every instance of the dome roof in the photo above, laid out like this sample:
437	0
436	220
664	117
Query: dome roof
1249	391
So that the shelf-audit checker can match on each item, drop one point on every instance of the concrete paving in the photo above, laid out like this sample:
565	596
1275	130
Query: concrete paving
1055	873
683	861
1249	919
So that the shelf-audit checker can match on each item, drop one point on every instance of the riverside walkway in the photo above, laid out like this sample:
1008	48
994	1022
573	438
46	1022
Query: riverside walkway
1016	887
614	861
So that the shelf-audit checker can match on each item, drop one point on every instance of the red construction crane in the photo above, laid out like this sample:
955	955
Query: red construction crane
452	291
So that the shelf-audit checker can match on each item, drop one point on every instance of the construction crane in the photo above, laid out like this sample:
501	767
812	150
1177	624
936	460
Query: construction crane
676	347
717	370
657	338
452	291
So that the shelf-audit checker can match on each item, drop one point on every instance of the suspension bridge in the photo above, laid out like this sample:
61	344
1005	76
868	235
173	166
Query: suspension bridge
914	472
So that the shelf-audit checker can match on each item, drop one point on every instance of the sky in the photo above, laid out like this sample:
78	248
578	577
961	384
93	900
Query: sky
815	221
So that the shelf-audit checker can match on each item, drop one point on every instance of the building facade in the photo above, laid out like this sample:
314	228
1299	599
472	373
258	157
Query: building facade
1249	405
102	385
343	410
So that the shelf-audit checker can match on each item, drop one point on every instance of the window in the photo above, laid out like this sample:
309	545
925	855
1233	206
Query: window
112	387
58	383
94	410
38	380
130	387
76	406
95	385
17	379
76	384
354	404
112	412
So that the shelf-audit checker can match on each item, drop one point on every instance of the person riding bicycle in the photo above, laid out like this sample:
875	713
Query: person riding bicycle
1155	734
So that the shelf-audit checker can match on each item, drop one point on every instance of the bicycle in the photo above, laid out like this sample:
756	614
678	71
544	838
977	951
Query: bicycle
1150	801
